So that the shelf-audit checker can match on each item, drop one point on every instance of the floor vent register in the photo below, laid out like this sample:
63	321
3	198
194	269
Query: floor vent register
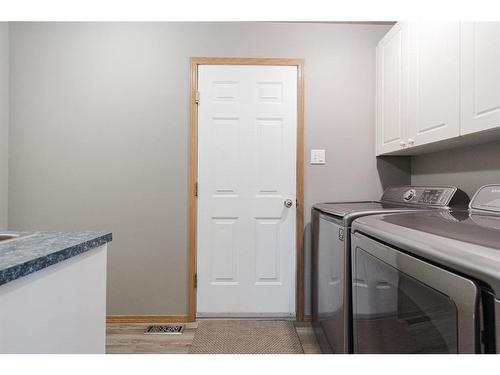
164	330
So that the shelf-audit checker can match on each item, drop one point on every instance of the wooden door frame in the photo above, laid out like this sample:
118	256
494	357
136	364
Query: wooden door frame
193	169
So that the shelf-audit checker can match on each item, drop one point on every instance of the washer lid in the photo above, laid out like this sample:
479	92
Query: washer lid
345	208
398	197
346	212
461	240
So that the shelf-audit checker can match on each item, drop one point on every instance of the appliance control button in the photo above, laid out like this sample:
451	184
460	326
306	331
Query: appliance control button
409	195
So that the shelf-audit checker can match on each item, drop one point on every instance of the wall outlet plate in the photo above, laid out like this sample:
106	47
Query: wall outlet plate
318	157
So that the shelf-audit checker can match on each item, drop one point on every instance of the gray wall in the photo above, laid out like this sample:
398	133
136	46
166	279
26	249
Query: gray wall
4	121
467	167
99	120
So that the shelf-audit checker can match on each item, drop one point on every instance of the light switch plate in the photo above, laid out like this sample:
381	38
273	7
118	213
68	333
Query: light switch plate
318	157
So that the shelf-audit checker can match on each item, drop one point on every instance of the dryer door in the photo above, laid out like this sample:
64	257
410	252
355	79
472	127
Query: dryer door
404	305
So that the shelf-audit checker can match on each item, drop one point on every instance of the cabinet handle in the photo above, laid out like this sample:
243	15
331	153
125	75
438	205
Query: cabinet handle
411	141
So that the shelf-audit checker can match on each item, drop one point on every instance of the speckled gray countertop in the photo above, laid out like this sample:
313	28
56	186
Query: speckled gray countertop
33	251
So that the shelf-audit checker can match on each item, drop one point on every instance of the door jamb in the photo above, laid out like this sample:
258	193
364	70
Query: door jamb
193	164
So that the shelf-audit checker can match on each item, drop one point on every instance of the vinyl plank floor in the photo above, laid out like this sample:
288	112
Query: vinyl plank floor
128	338
307	338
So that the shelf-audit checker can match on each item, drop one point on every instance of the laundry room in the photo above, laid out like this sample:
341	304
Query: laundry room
317	185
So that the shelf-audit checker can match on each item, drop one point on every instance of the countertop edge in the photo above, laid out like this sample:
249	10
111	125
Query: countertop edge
20	270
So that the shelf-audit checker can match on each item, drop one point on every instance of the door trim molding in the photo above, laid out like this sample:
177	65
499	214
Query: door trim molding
193	168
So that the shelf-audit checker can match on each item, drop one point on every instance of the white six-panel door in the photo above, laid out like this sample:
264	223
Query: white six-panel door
247	127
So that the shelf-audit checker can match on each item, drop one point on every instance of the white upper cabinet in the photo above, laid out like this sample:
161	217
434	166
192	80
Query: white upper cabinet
480	73
434	82
391	90
437	84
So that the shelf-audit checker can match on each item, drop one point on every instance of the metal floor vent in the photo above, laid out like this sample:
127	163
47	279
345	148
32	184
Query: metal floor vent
164	330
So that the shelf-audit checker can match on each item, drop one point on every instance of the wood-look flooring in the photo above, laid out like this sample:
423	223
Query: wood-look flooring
128	338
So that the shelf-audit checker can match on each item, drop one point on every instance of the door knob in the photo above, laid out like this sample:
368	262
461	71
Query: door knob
288	203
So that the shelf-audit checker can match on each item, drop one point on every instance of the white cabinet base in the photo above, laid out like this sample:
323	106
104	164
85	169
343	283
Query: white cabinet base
60	309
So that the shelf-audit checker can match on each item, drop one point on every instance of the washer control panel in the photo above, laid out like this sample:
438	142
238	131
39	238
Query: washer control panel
432	196
419	195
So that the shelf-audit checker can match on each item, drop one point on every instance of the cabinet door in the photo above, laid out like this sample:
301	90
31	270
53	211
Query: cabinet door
434	82
391	90
480	73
